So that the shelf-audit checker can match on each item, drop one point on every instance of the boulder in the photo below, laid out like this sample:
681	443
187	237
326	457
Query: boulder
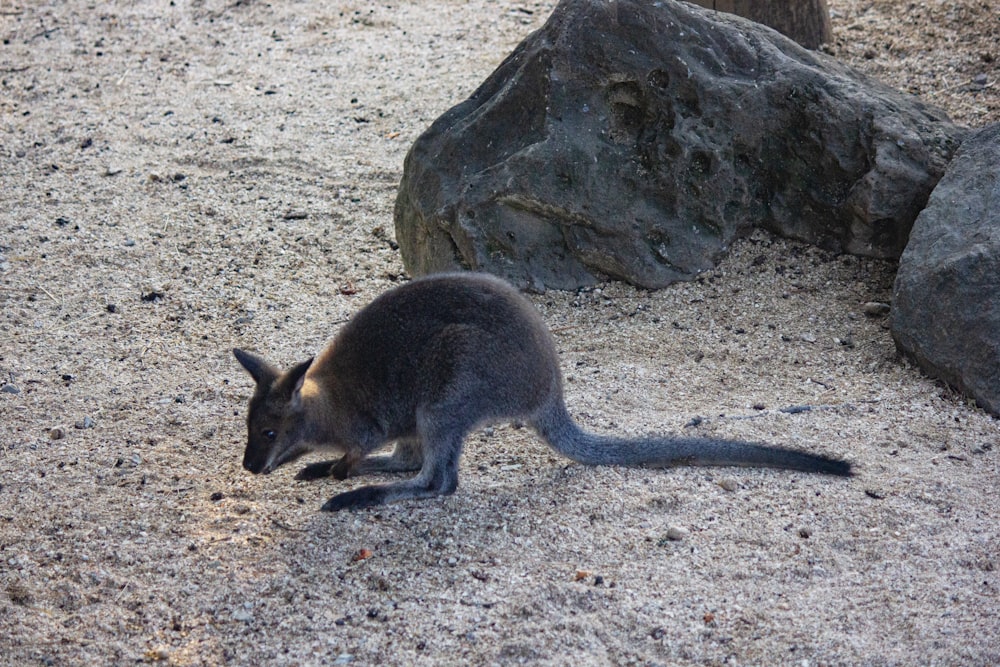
946	298
805	21
636	140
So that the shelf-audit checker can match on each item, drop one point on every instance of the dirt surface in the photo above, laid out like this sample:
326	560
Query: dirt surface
179	178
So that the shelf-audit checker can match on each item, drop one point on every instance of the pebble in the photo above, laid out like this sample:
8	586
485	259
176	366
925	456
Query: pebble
10	389
805	532
158	655
242	615
86	422
808	337
57	433
876	309
729	484
676	533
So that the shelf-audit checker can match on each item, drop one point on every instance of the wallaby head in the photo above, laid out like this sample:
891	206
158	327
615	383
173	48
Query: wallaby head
275	421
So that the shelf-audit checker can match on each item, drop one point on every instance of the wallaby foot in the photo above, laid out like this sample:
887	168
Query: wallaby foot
381	494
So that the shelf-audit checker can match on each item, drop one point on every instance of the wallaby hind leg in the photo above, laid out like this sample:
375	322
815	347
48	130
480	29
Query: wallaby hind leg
433	480
438	476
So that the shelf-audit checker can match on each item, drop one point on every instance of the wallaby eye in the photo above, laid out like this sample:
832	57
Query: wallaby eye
269	434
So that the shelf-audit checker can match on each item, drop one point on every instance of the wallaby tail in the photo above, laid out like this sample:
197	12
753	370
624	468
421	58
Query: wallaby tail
556	426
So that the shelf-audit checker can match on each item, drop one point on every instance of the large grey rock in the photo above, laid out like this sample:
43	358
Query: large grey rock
637	140
946	300
805	21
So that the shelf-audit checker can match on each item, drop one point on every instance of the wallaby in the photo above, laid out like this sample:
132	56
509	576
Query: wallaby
424	364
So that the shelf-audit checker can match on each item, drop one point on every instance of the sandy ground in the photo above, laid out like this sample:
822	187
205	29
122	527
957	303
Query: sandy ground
178	178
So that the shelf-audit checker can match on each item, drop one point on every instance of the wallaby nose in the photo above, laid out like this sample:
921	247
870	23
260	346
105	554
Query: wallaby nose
255	464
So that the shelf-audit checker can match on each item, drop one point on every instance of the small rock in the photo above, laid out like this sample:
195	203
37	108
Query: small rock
295	215
19	594
57	433
876	309
86	422
242	615
805	532
729	484
344	659
159	654
10	389
980	79
113	170
676	533
808	337
153	296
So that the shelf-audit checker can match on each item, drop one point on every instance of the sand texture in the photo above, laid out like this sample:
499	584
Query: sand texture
178	178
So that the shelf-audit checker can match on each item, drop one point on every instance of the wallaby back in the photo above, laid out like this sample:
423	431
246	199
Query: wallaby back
425	363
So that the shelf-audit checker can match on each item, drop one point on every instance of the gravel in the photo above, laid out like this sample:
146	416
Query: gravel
182	178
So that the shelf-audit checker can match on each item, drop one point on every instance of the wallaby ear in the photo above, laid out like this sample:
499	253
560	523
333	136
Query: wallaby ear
293	380
297	375
262	372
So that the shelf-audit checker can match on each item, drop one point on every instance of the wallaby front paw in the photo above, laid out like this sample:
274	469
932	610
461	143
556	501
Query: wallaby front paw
341	469
316	471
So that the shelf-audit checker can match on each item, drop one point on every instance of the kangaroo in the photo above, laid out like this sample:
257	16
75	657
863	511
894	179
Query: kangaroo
424	364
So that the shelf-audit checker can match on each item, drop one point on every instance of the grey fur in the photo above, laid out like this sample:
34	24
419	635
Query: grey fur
424	364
